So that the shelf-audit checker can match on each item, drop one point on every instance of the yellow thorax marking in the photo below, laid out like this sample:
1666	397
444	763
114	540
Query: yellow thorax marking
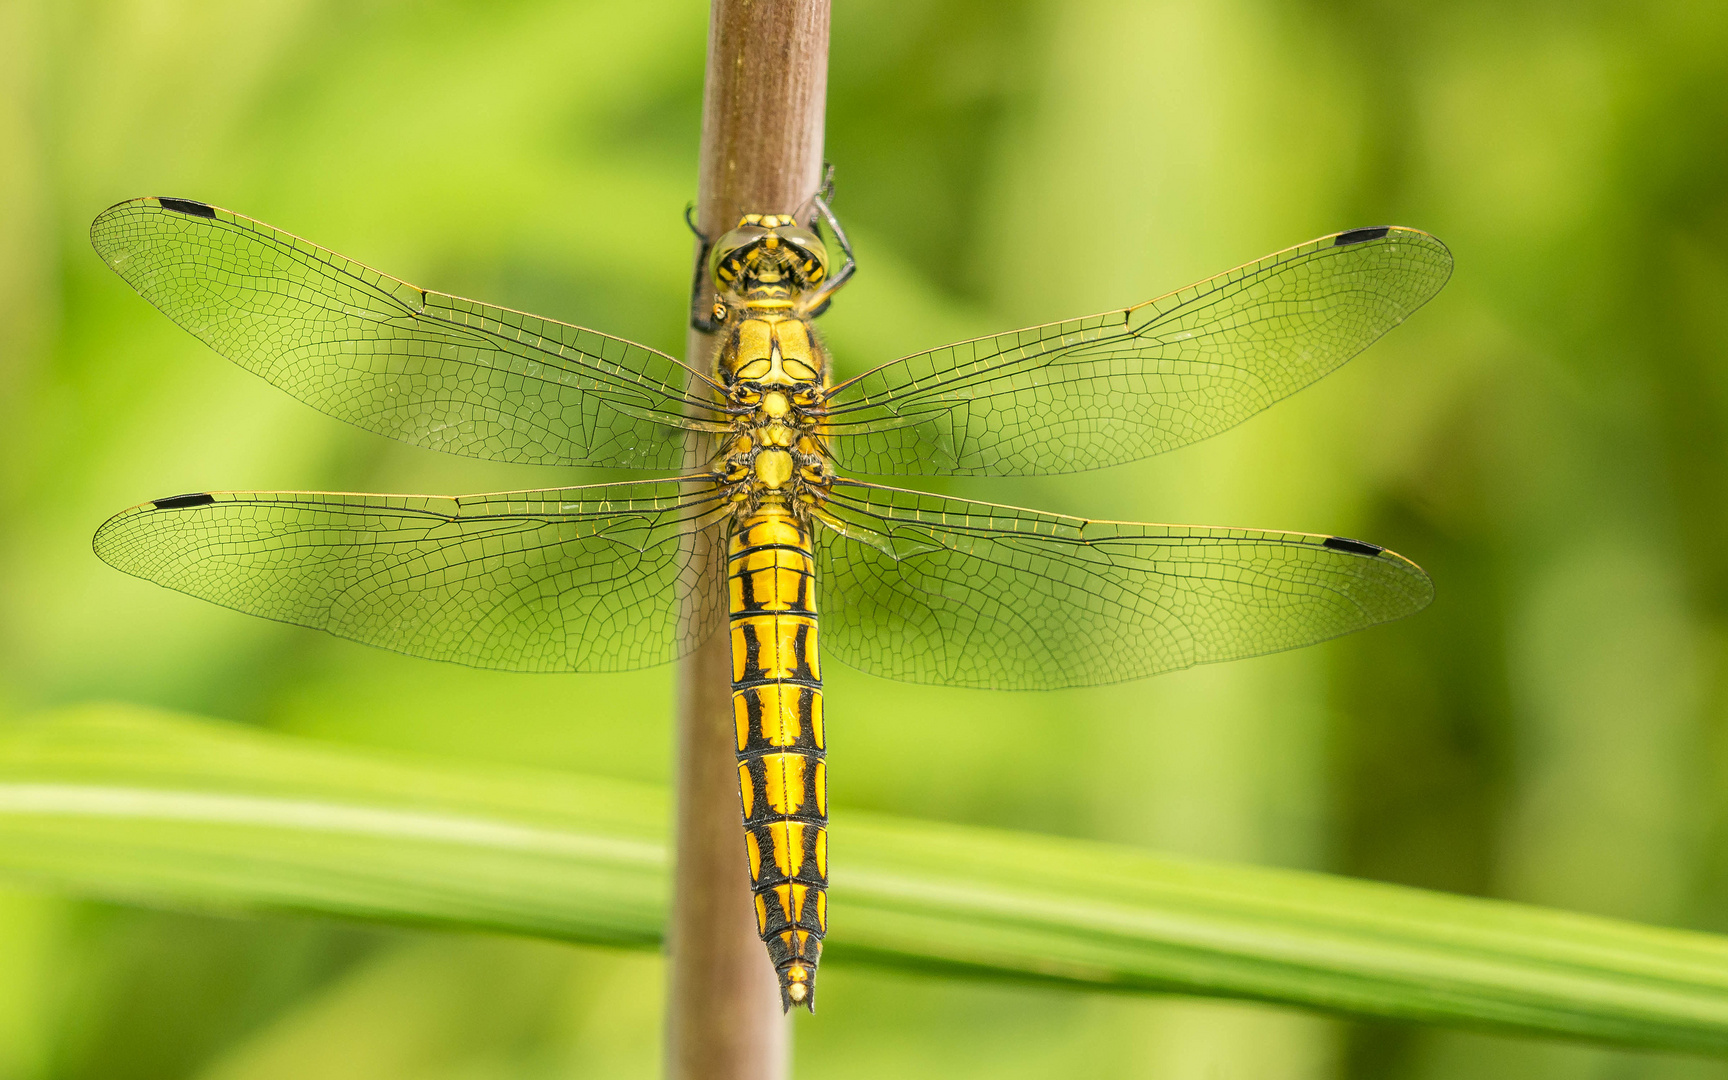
756	350
774	352
774	469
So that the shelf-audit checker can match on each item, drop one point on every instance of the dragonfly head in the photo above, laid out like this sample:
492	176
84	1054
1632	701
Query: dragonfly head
768	261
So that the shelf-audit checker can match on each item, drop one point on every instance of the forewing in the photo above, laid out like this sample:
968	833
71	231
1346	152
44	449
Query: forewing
423	367
598	578
937	590
1124	385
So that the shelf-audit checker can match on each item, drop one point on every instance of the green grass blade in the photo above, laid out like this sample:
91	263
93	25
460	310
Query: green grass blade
134	805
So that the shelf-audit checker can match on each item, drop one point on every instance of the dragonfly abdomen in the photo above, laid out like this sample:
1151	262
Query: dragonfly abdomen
777	706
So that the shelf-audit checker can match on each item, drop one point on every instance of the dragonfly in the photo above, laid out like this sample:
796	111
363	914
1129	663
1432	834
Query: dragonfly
760	509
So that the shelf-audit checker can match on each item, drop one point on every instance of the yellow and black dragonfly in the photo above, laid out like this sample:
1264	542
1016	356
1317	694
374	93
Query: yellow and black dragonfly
615	576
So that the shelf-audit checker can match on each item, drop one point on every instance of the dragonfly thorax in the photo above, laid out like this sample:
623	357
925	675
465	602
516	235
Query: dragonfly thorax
773	461
769	349
773	371
768	263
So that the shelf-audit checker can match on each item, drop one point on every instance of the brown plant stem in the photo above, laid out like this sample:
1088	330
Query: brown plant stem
762	114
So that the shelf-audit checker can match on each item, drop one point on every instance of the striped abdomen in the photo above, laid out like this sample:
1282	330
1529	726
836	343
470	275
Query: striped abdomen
777	704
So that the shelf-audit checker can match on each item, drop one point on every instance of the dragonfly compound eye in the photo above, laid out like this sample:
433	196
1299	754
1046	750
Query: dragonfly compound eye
767	260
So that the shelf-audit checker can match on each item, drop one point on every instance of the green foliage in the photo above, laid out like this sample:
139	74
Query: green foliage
145	807
1546	438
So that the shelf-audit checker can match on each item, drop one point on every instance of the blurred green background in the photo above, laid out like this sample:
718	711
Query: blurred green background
1549	438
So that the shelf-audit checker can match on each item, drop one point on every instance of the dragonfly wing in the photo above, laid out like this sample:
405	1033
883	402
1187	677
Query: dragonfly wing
597	578
1124	385
937	590
423	367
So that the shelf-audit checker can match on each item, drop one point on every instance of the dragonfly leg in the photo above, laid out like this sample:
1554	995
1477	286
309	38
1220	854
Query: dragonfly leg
701	318
827	192
825	294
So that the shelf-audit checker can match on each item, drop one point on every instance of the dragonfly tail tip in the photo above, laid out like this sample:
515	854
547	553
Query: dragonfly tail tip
797	987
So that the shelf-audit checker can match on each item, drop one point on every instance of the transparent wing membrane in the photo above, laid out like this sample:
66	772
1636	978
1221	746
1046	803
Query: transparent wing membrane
1124	385
597	578
911	586
937	590
423	367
